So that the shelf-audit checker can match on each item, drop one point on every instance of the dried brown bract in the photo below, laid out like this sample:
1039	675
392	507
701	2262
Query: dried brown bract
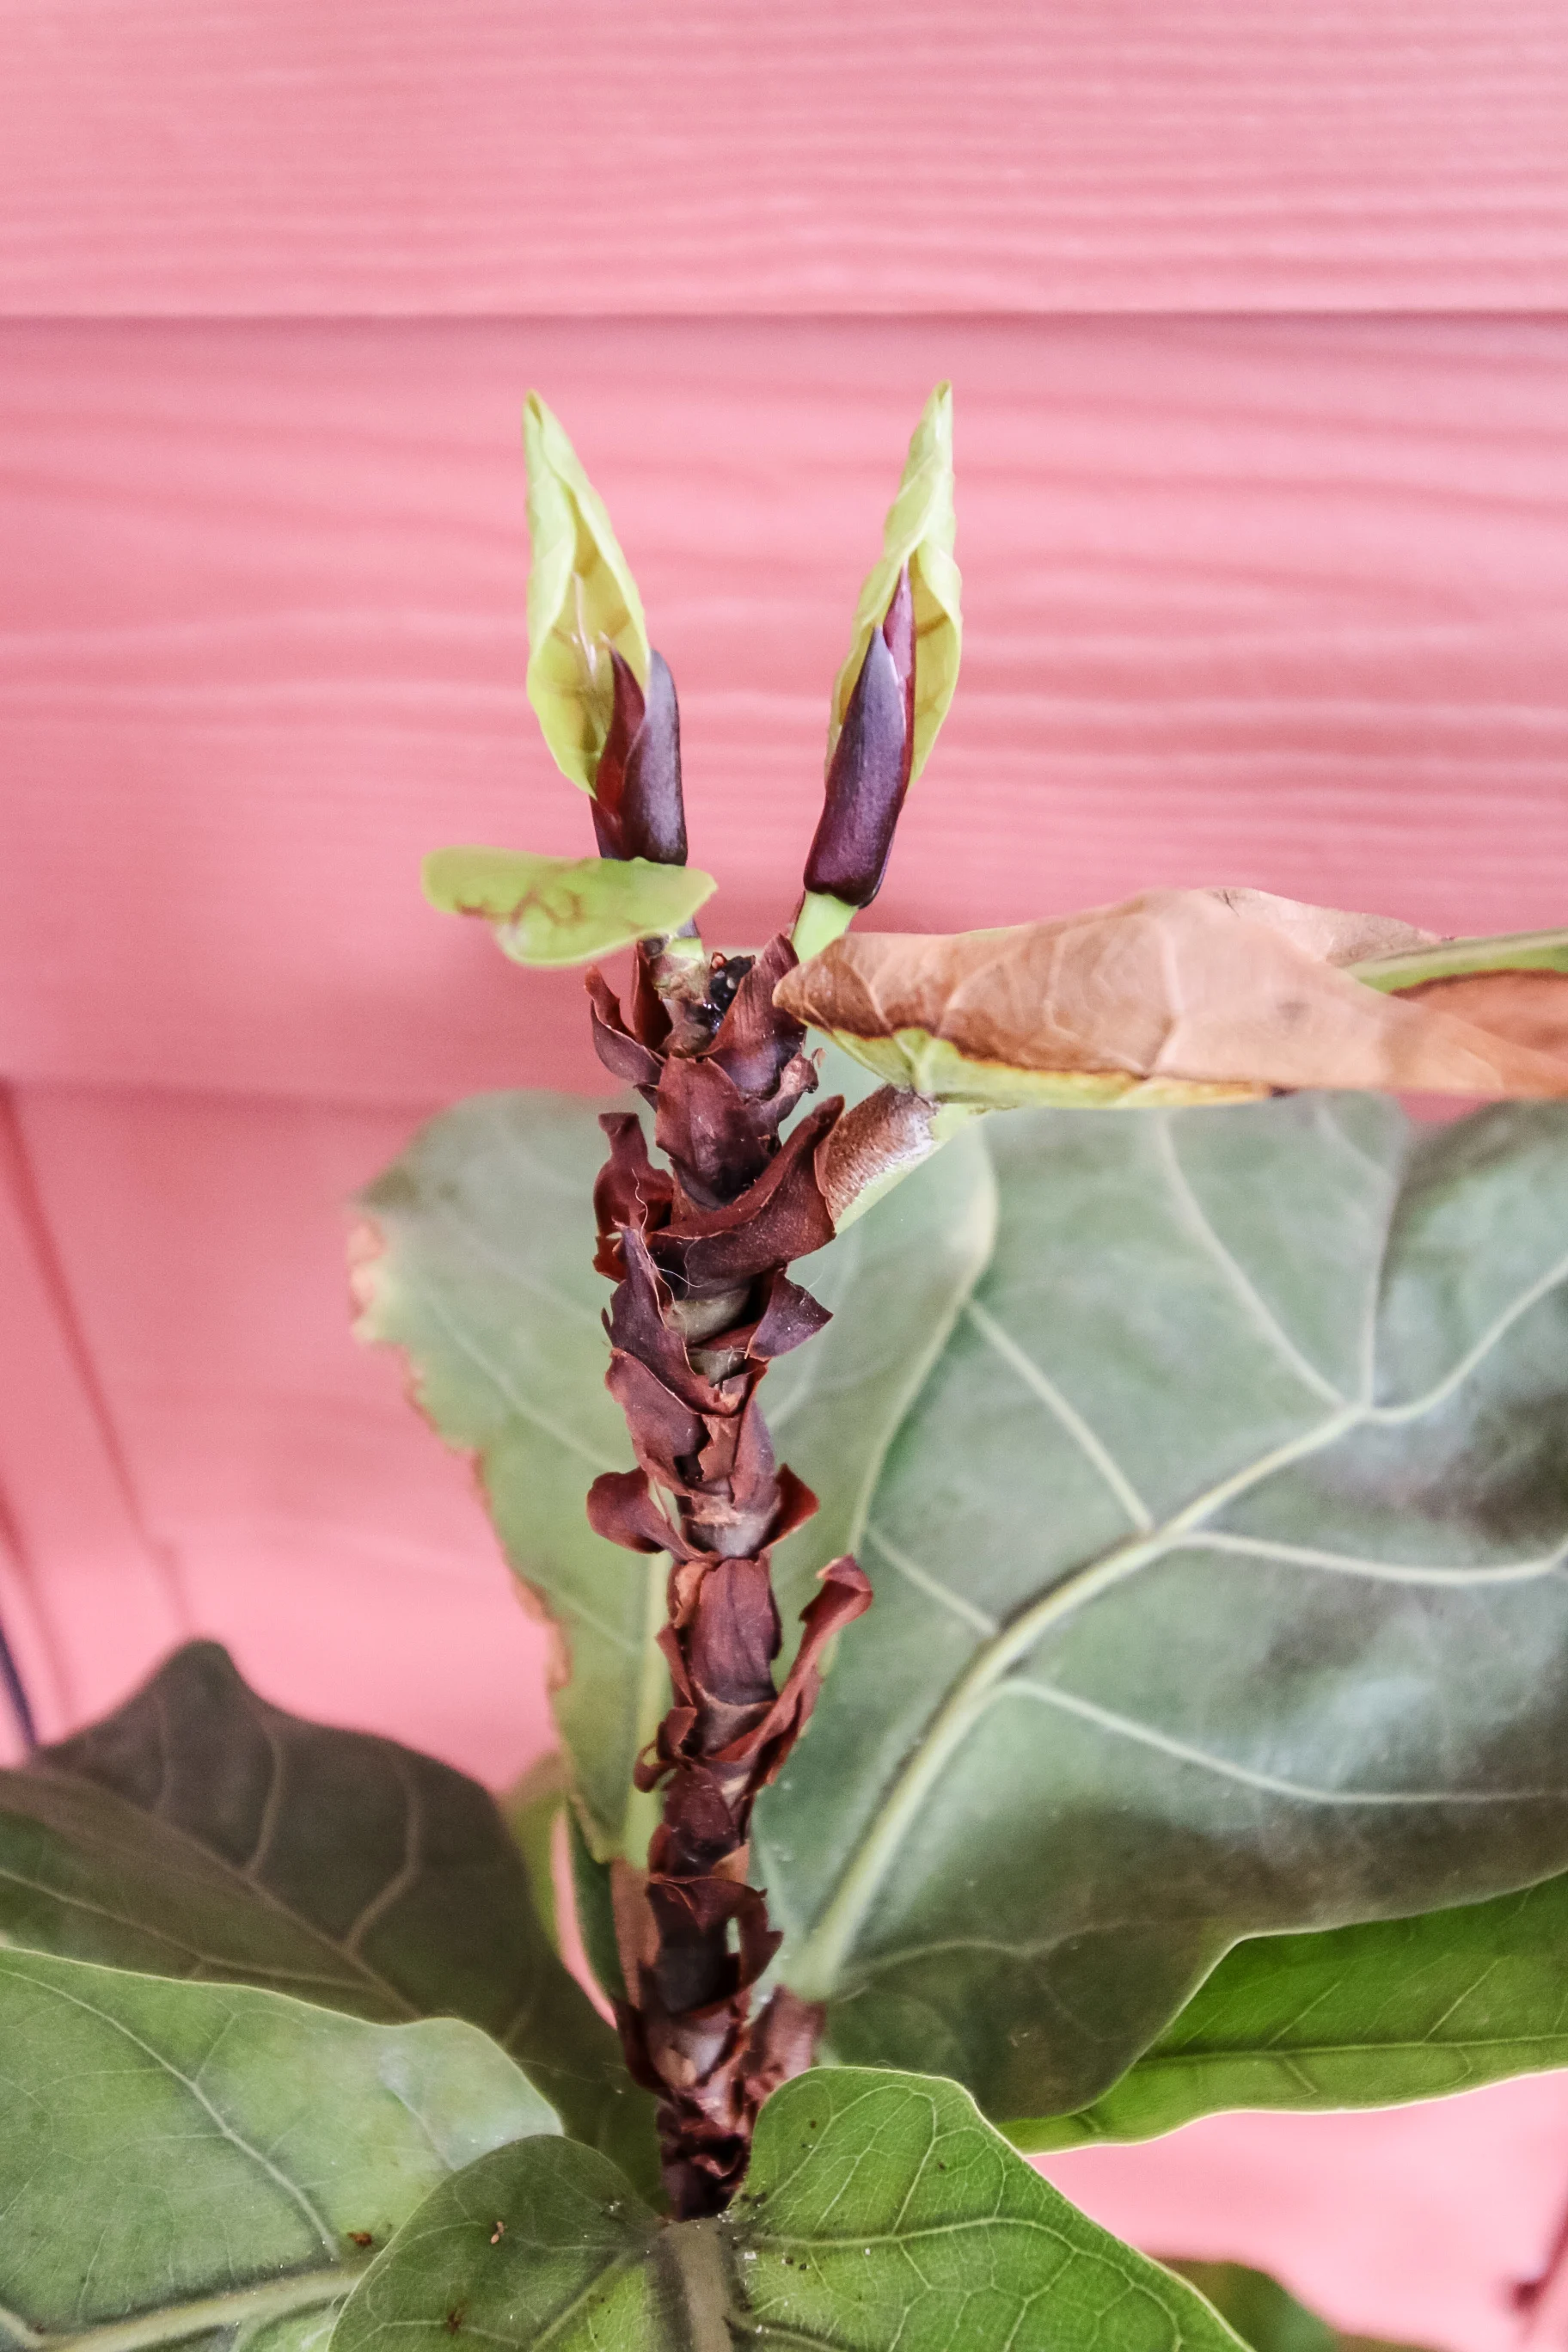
1173	996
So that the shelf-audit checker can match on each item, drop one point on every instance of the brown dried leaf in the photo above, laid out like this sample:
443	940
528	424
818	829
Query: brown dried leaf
1173	996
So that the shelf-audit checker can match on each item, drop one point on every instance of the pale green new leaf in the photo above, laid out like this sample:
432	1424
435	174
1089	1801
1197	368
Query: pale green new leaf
485	1278
919	532
205	2162
552	911
1367	2016
582	601
199	1832
880	2212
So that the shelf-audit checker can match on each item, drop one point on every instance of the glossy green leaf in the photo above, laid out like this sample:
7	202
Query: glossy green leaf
1221	1535
582	601
1218	1586
880	2210
919	532
1366	2016
208	2163
1264	2315
199	1831
564	910
485	1278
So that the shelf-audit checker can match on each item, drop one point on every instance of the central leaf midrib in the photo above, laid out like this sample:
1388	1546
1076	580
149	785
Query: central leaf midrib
1159	2061
815	1970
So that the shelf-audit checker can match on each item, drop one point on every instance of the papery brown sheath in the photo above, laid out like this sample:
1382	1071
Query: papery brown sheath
702	1304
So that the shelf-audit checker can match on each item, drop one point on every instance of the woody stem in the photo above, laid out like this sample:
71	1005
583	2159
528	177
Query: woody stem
702	1304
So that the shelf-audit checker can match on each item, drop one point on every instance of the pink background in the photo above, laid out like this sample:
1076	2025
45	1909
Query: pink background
1257	321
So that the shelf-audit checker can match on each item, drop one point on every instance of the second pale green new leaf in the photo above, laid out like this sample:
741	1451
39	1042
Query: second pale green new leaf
917	535
582	601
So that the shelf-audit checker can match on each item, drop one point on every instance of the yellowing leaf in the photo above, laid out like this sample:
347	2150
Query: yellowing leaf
564	910
919	532
1175	996
582	601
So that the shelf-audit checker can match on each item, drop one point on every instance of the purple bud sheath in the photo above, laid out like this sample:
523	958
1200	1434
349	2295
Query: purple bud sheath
869	772
637	806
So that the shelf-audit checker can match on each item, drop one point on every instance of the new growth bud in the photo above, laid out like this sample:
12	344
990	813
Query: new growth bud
637	806
869	772
886	704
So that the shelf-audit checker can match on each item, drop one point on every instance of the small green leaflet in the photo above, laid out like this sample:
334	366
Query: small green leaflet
1366	2016
880	2210
212	2161
564	910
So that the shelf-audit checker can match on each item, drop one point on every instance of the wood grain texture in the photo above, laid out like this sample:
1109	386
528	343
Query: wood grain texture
572	157
82	1579
1282	602
313	1522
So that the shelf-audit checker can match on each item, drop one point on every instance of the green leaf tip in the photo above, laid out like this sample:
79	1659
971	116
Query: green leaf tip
554	911
919	532
582	601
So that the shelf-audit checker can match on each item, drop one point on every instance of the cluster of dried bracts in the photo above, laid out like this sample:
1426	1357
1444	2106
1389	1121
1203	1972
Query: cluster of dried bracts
1173	997
702	1307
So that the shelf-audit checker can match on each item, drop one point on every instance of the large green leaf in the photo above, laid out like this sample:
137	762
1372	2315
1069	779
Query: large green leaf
1353	2016
201	2163
1217	1552
486	1278
880	2210
1218	1586
1264	2315
200	1832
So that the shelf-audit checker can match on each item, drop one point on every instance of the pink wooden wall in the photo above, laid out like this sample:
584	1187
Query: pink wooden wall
1256	321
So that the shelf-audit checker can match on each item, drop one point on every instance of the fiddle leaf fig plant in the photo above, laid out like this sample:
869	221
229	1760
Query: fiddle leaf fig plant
1142	1691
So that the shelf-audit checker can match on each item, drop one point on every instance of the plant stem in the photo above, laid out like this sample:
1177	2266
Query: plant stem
698	1253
